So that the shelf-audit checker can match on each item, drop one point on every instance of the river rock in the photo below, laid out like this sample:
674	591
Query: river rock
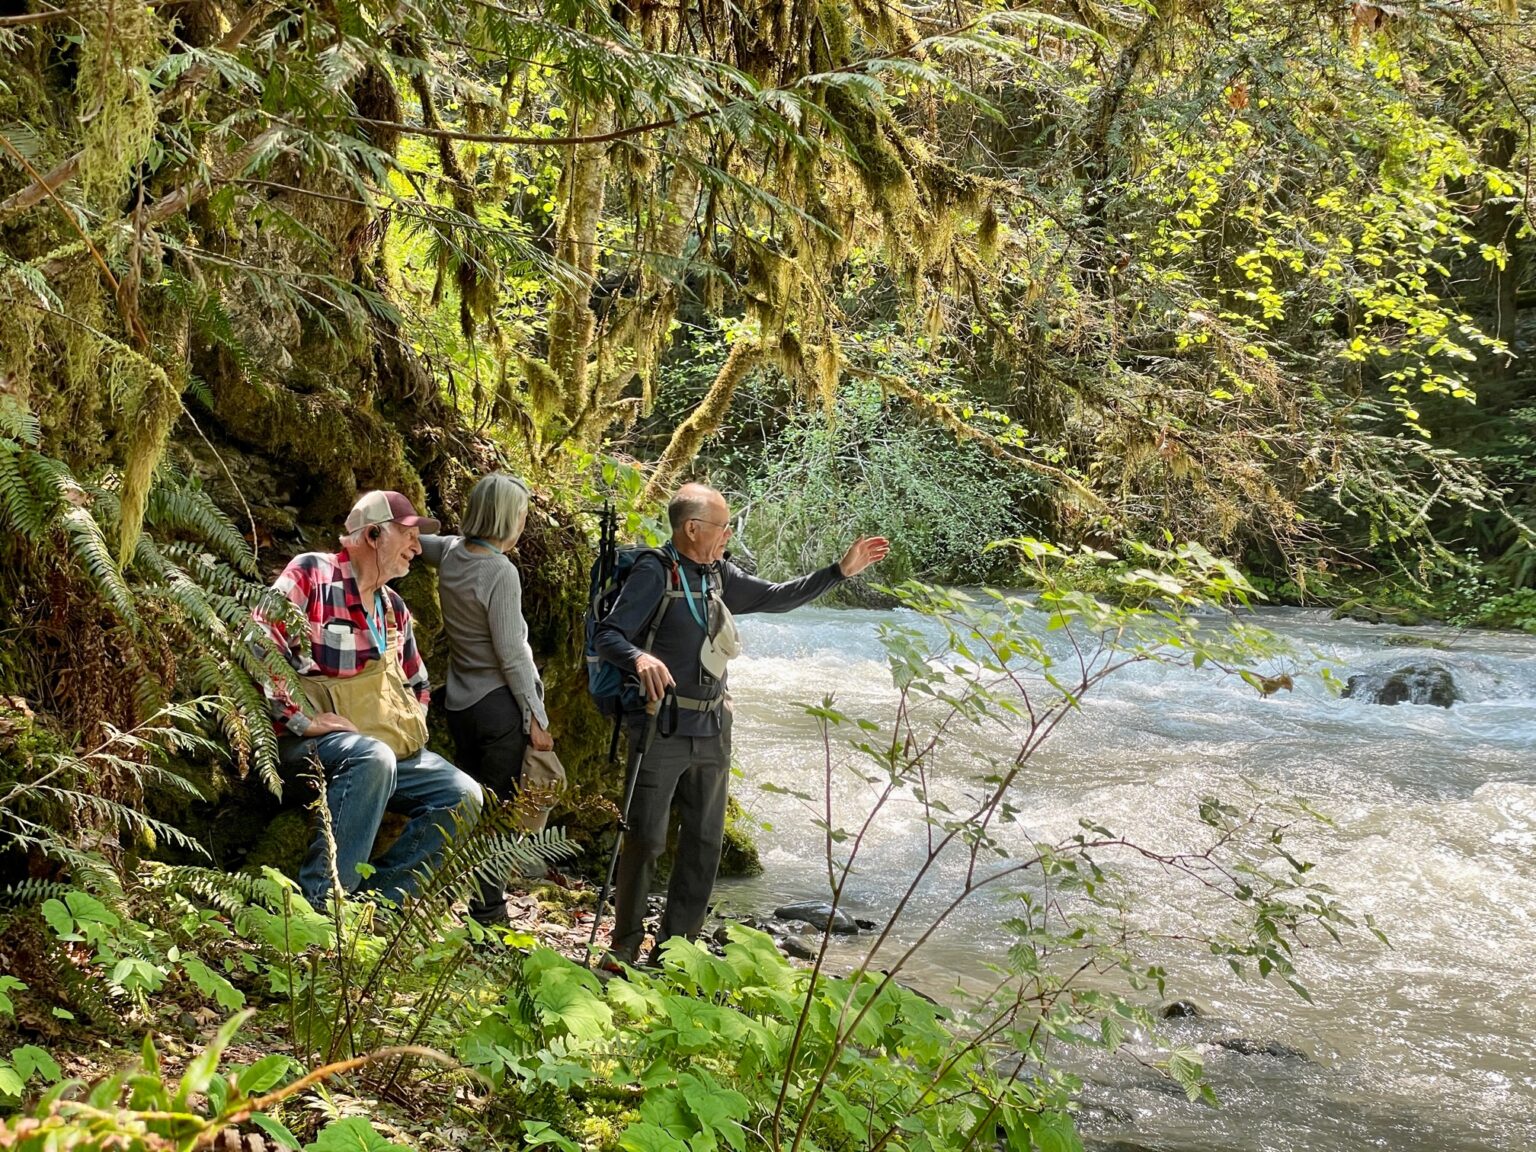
1366	614
817	913
1244	1046
1181	1010
1422	682
1414	640
799	948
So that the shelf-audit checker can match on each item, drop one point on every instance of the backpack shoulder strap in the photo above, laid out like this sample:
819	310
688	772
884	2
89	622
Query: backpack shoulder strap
673	591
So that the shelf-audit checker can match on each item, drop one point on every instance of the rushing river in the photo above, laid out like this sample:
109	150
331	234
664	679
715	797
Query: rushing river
1426	1046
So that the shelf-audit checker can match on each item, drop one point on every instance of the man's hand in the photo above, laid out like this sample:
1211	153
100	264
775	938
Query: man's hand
862	553
328	722
539	736
654	677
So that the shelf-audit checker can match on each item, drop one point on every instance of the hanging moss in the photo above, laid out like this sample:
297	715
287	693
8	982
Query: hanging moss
375	98
885	178
830	47
543	385
571	322
987	232
745	355
770	289
790	357
151	415
886	24
829	368
114	105
20	332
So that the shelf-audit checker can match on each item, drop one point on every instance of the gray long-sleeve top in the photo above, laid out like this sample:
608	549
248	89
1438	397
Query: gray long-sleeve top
681	635
482	600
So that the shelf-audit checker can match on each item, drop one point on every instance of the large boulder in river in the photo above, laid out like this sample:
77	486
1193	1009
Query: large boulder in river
818	913
1422	682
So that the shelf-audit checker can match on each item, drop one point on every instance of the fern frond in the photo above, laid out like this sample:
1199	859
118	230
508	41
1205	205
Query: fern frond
229	892
190	511
19	505
31	892
32	280
51	479
18	422
124	817
88	545
243	714
147	558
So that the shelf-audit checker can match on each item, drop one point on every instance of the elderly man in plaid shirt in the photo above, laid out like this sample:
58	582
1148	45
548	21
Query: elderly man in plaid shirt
363	719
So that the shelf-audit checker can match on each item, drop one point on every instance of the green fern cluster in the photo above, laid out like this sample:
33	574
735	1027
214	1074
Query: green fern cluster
56	807
190	585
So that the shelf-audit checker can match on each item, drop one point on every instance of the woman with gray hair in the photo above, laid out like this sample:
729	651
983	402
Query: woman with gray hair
495	698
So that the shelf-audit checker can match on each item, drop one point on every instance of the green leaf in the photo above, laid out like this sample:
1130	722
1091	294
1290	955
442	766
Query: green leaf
31	1060
58	917
718	1109
88	909
537	1132
277	1130
210	983
263	1074
11	1084
9	984
352	1134
646	1137
1054	1132
566	1002
218	1095
200	1068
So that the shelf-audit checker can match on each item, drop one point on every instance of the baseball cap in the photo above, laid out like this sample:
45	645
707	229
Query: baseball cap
382	507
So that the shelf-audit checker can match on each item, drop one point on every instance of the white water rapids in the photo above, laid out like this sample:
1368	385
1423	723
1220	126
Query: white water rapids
1425	1046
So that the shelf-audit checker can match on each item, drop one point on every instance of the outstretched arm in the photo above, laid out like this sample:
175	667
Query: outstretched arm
744	593
433	548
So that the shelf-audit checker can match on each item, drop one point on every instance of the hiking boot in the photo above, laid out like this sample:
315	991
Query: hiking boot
496	916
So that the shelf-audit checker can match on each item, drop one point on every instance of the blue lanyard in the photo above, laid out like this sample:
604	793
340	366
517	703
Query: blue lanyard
484	544
378	633
682	575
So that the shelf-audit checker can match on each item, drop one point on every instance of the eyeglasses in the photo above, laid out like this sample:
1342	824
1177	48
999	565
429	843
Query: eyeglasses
726	528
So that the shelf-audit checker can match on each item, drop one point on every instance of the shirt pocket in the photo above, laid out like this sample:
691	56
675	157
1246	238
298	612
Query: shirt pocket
338	634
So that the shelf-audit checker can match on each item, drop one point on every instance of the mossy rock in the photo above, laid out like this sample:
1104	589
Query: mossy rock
283	844
1379	614
739	856
1409	640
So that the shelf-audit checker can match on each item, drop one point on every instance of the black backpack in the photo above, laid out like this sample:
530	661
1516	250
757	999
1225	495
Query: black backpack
613	690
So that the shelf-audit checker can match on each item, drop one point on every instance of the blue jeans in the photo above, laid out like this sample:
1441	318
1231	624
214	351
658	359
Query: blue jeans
363	778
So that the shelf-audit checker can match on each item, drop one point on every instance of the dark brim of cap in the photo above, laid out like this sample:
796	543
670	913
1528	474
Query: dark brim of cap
428	525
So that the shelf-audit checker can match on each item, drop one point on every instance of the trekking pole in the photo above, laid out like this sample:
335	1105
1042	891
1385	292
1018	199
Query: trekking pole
652	713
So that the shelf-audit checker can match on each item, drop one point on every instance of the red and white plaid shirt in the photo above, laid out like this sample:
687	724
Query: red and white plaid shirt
322	587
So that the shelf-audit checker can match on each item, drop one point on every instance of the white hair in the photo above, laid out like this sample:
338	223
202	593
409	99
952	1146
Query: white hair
496	507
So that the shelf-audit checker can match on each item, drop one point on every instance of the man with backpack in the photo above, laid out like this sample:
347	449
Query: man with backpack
669	633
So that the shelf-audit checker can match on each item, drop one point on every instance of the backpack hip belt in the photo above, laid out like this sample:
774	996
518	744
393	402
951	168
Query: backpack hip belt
697	704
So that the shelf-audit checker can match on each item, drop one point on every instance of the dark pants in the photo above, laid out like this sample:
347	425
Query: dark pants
694	772
489	741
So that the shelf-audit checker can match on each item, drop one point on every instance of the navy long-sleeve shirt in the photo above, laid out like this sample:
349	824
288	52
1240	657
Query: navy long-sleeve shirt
681	635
